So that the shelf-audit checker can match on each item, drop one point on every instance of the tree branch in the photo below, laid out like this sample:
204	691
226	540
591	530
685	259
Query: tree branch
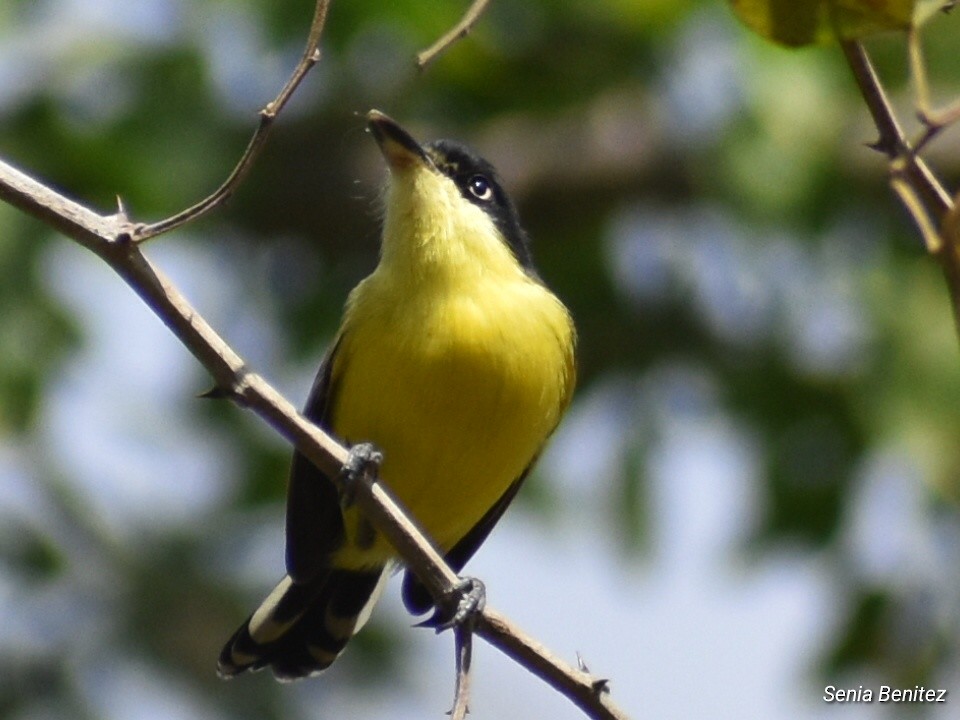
892	142
108	237
919	190
585	690
310	57
114	238
457	32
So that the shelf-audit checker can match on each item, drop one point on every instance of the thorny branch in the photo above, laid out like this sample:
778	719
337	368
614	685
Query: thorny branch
918	189
892	141
108	237
116	240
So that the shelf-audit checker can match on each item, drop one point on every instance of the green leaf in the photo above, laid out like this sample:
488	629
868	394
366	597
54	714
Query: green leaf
806	22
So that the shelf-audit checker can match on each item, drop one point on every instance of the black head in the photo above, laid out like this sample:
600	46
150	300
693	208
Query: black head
479	183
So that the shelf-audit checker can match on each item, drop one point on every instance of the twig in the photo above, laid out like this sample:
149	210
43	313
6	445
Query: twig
918	70
586	691
457	32
108	236
310	57
463	643
919	191
914	205
934	121
116	240
892	141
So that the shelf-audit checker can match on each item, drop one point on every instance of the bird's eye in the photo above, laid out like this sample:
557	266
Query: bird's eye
480	188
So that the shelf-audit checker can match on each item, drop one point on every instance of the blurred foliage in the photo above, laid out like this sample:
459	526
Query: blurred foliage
698	198
802	22
34	331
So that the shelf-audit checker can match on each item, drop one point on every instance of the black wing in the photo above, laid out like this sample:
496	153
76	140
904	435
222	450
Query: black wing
314	520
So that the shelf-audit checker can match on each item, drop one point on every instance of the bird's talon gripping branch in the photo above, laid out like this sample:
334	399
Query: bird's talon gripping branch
364	459
468	598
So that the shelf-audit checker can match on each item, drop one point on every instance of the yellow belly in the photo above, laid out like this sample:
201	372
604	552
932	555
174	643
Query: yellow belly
459	389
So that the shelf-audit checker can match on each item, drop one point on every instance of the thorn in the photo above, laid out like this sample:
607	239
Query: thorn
214	393
125	228
600	685
581	664
880	145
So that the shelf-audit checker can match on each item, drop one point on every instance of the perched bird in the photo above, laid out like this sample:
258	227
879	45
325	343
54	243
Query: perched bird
456	361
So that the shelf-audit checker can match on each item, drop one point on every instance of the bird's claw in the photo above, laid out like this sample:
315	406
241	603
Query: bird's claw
364	459
467	598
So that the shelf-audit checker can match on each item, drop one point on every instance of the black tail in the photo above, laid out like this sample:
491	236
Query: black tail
300	630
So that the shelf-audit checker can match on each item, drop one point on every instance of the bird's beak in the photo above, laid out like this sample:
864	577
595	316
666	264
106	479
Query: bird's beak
399	148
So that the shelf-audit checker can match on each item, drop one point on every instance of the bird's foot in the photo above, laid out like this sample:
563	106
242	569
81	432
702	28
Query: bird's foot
460	607
364	459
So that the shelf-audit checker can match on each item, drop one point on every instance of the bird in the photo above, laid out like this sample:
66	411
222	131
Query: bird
456	362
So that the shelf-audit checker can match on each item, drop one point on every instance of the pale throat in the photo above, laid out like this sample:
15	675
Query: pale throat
431	232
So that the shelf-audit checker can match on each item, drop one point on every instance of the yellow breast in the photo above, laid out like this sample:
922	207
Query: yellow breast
459	386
